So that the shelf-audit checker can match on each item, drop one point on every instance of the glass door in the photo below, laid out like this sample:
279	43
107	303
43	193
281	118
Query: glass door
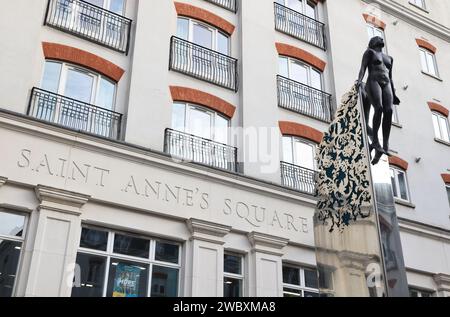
202	59
200	124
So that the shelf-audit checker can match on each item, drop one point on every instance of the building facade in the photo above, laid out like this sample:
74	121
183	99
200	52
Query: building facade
166	148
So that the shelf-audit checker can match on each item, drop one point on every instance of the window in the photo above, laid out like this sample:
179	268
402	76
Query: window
112	264
201	122
441	128
395	117
12	234
233	275
299	152
428	60
418	3
399	184
79	84
116	6
300	72
420	293
373	31
448	192
304	7
203	35
300	282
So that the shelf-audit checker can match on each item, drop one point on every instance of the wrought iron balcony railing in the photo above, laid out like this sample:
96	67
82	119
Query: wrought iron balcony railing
298	178
227	4
300	26
90	22
304	99
191	148
74	114
203	63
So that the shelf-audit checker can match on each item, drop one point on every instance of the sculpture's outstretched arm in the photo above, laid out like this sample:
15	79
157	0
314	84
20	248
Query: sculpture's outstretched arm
396	99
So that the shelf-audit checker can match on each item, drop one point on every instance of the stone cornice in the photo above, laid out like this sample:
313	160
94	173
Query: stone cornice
442	282
423	229
3	181
207	231
267	243
414	18
60	200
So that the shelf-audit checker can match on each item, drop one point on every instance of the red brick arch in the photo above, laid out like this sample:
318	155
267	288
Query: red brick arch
187	10
298	53
446	178
203	99
398	162
374	21
426	45
300	130
434	106
76	56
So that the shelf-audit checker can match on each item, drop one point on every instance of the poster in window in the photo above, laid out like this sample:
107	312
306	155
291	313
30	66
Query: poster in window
126	281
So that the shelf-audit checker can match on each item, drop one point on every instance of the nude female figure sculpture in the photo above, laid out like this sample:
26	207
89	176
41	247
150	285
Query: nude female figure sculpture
378	92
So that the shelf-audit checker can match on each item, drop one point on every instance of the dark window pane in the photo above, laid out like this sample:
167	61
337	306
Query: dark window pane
164	282
127	279
311	279
413	293
131	246
289	292
9	260
94	239
291	275
232	264
90	277
166	252
232	287
309	294
11	224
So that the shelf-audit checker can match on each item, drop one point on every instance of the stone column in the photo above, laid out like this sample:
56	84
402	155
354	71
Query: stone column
204	265
266	267
51	248
443	284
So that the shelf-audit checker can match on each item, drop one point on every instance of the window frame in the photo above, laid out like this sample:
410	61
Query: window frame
397	171
302	287
422	5
420	292
215	34
426	53
304	4
20	240
373	28
107	6
309	70
188	107
97	79
447	187
439	127
295	155
240	277
150	262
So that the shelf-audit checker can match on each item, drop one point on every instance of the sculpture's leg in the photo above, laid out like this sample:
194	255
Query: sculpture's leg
388	101
375	95
367	105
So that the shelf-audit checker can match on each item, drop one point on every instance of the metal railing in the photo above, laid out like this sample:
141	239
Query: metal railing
73	114
300	26
191	148
226	4
304	99
203	63
90	22
298	178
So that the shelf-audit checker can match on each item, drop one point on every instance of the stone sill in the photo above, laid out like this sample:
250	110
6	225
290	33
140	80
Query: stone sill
405	203
442	141
432	76
418	7
398	125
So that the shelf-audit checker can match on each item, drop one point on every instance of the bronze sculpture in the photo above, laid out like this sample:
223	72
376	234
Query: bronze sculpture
378	92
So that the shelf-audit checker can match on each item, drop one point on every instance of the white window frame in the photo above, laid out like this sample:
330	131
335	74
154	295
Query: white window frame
397	171
240	277
442	130
427	70
215	33
447	187
395	116
302	287
188	107
308	67
295	158
304	4
373	32
17	239
107	6
421	4
420	292
150	262
65	67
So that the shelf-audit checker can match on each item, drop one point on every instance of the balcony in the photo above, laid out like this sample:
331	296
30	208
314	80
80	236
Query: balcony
190	148
230	5
90	22
299	26
304	99
298	178
74	114
202	63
